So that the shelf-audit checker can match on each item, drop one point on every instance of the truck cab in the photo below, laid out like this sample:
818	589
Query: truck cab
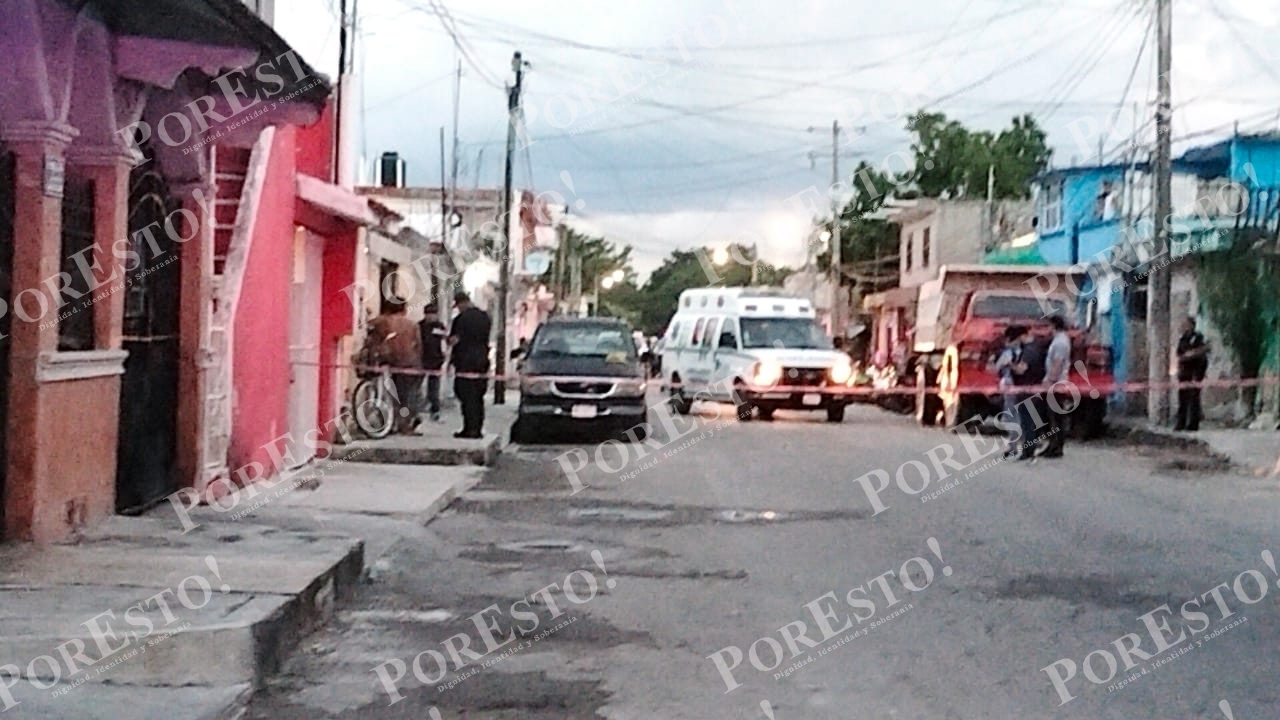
962	319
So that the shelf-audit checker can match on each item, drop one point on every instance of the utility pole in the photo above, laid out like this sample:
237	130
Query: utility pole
504	222
1158	323
444	196
457	100
562	255
342	71
837	299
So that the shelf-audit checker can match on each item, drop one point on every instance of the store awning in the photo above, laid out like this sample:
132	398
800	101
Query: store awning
1026	255
322	203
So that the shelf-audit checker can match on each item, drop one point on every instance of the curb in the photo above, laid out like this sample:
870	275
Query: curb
446	498
252	649
369	452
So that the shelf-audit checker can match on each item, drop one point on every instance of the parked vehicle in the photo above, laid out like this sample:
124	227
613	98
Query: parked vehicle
749	347
581	374
960	321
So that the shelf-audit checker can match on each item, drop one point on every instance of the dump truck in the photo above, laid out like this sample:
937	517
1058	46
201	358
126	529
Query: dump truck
960	319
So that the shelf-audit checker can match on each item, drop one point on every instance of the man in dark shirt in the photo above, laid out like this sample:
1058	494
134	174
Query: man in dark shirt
1193	361
433	334
1029	370
469	340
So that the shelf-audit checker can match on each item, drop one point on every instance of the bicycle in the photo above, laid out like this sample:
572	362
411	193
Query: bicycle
373	402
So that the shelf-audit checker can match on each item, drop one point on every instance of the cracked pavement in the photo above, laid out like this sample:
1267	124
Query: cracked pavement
726	541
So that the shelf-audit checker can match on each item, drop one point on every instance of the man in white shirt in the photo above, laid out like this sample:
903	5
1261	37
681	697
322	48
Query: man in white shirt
1057	364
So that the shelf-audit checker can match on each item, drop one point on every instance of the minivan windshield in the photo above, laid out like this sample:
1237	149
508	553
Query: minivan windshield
789	333
582	341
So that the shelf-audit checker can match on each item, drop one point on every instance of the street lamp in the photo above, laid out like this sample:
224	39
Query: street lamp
606	282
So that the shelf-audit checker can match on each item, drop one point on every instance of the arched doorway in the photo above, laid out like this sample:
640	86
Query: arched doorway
148	439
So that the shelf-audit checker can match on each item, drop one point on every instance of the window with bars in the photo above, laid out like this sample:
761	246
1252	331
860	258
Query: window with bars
1051	207
926	249
75	313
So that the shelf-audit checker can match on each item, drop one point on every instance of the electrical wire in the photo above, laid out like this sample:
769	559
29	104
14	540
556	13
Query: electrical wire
1133	74
398	96
1216	9
1097	50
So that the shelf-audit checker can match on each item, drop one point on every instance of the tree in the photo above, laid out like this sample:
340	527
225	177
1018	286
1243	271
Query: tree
866	242
651	306
600	257
953	161
1242	296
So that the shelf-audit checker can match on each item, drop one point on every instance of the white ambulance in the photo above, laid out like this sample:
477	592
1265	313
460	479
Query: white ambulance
758	348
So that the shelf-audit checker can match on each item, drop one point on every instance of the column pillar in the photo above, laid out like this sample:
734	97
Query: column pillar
109	168
39	150
195	355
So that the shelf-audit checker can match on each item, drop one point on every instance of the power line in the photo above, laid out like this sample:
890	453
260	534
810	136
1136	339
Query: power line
1216	9
1133	74
415	88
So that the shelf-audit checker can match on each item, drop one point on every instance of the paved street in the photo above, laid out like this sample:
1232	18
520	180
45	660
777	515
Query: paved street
726	542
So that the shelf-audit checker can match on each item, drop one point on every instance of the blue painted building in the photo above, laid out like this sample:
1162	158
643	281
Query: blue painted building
1097	214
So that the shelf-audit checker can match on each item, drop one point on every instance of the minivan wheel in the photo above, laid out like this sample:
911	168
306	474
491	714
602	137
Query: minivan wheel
679	402
740	402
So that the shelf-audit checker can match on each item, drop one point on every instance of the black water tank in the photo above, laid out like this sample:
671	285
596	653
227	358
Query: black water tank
391	170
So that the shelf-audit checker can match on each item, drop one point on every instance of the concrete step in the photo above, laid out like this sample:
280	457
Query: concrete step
280	586
422	450
113	702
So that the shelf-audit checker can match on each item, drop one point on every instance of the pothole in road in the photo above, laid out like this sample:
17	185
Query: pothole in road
619	513
542	546
399	616
1101	591
587	511
749	516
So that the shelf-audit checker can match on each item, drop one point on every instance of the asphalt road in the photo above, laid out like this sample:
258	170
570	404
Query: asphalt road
739	528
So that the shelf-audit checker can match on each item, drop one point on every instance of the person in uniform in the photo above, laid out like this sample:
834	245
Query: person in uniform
1193	361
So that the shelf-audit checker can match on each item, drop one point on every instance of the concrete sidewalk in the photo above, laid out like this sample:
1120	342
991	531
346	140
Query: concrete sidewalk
1254	451
434	443
267	589
286	554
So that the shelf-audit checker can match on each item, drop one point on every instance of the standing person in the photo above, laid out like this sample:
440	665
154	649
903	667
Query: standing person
395	342
433	334
1010	356
1028	371
469	340
1057	370
1193	361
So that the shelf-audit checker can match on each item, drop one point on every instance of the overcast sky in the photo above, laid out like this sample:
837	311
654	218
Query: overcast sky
703	133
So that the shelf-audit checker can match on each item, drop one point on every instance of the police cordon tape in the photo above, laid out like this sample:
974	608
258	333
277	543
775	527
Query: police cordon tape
1095	389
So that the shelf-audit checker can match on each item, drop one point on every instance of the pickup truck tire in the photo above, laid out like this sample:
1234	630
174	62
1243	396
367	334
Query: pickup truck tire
766	413
928	404
959	412
520	434
835	413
